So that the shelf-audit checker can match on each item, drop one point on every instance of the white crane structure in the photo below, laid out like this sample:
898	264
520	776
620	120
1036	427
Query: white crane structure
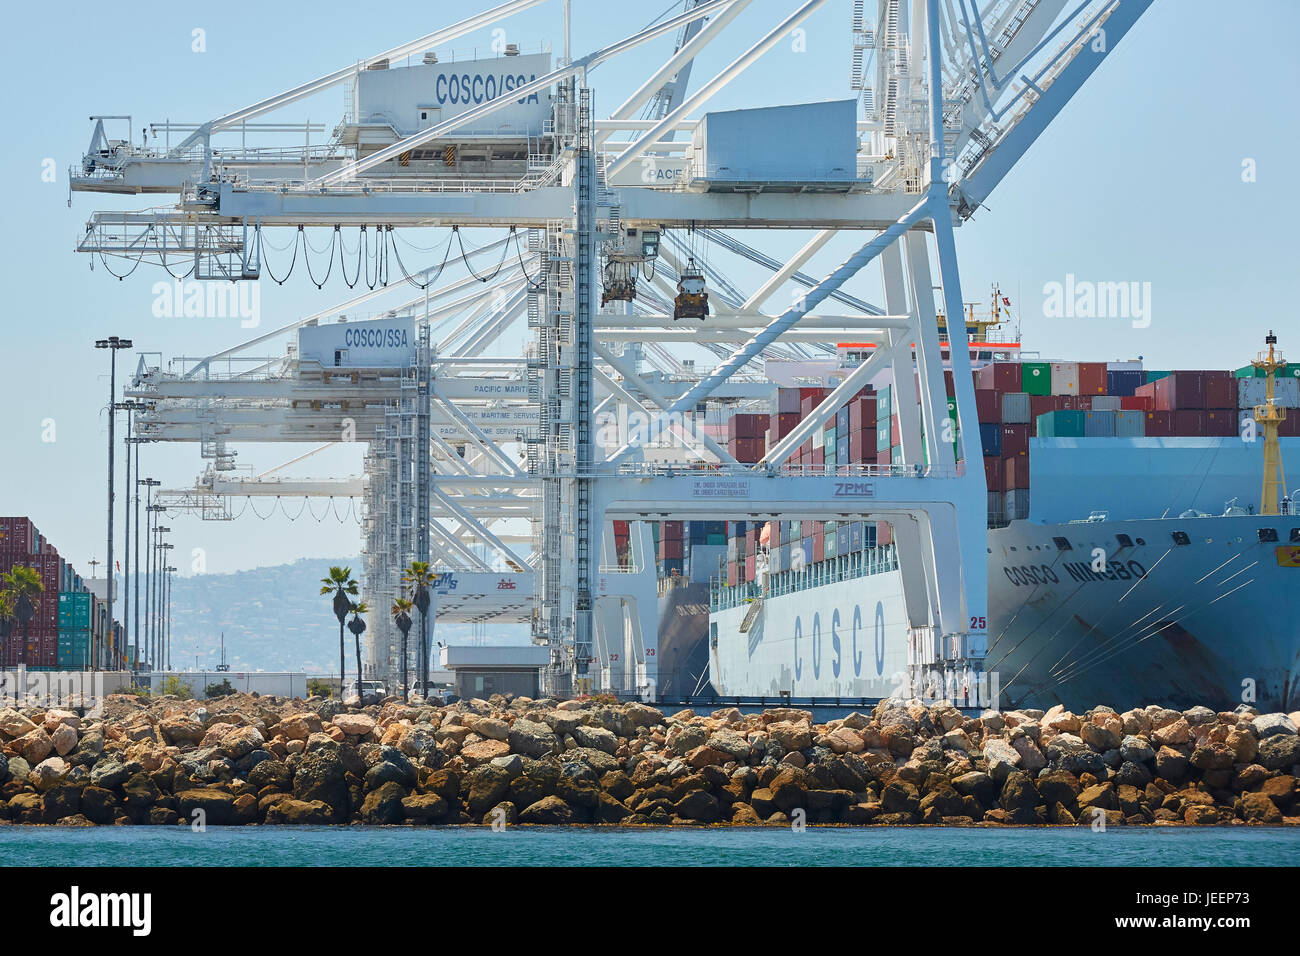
492	467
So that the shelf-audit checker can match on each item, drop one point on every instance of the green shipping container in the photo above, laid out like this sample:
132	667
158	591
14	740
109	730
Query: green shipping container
1154	376
1061	424
1290	370
828	540
1036	378
74	609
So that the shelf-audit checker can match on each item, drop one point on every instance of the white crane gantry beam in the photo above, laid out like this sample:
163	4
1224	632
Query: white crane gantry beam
436	38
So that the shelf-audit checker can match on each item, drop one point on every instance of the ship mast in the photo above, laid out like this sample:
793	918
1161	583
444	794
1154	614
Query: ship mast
1270	415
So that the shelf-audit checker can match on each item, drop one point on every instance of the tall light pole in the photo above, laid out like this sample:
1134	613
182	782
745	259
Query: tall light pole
113	344
164	548
149	484
159	559
171	571
128	406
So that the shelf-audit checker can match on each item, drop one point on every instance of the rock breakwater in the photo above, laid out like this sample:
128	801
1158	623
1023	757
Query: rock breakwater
258	760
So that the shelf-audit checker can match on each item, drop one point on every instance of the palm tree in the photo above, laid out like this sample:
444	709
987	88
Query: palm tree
6	623
401	612
25	589
340	583
419	575
357	625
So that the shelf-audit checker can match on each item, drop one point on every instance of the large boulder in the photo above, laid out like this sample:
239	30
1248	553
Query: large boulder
384	805
1019	797
1266	725
215	807
487	786
181	730
49	773
1279	751
547	811
1136	749
424	807
1001	757
355	725
1258	808
109	774
291	812
597	738
532	739
14	724
320	776
33	746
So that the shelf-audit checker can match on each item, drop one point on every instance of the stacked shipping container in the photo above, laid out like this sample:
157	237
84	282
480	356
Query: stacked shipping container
47	646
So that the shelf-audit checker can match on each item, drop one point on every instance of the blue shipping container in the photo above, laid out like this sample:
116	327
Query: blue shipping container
991	439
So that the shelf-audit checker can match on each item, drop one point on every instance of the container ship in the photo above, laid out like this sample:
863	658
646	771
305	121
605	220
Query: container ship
1132	559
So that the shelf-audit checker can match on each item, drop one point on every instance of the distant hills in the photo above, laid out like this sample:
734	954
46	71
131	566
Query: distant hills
274	619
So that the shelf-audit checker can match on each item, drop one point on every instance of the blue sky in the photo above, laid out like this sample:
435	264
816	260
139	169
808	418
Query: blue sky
1139	179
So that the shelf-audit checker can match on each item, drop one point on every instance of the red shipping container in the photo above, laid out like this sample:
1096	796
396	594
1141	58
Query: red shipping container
812	391
1138	403
895	437
1160	424
819	546
994	473
751	567
670	550
1042	404
1000	377
779	426
621	529
1222	423
732	578
1189	422
806	449
884	533
1180	390
1017	473
671	529
1220	390
746	426
807	529
1015	440
1092	378
988	406
748	450
858	444
950	384
862	415
883	456
1079	403
818	457
1291	427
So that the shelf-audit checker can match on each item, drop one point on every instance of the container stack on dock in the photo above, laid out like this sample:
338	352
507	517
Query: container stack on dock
69	620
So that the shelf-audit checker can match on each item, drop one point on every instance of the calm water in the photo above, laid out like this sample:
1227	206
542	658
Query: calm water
544	846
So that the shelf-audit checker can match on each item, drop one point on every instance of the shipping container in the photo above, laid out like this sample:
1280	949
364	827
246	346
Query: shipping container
1130	424
778	426
1000	377
1189	422
1015	440
994	473
997	507
1092	378
1099	424
1160	424
1017	505
991	440
1065	423
1180	391
671	530
1124	382
788	401
1106	403
1016	473
1137	403
1036	378
1015	408
1065	378
745	425
1253	391
1154	376
1220	390
1222	422
748	450
862	414
988	406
